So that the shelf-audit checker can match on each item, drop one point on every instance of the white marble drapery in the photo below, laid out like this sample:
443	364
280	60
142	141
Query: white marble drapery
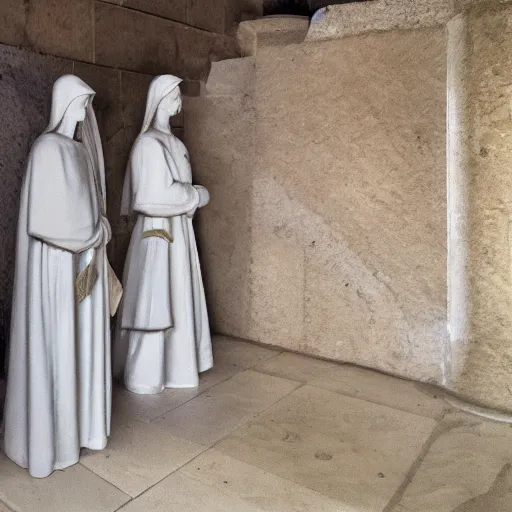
163	336
58	395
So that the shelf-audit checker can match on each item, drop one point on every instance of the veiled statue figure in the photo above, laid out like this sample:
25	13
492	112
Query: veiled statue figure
59	383
163	336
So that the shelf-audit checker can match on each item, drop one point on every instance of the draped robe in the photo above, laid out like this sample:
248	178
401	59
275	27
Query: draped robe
58	395
163	336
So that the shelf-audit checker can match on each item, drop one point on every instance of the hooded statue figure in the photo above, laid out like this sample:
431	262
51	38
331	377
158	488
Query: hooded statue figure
59	382
163	336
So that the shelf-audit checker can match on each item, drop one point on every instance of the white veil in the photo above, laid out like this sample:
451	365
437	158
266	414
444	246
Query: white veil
160	87
65	90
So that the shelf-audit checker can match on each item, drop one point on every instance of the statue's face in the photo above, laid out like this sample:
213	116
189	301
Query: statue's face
172	102
77	110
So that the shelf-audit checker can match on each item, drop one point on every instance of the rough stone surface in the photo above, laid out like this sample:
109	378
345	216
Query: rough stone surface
467	469
162	46
26	83
480	203
12	22
170	9
61	28
242	10
207	14
222	160
231	78
256	34
326	230
315	432
351	19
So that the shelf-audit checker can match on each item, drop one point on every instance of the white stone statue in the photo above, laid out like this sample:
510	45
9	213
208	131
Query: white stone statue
59	383
163	336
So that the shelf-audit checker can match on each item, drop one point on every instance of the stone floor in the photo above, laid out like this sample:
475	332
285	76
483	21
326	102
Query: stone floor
270	431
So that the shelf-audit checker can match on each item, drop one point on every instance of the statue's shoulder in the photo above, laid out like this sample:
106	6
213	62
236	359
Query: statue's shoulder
48	141
149	140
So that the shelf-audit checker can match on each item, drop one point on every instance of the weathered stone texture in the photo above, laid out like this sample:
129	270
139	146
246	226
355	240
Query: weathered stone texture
254	35
26	81
135	41
170	9
351	19
358	164
344	210
480	203
61	28
208	15
222	161
12	22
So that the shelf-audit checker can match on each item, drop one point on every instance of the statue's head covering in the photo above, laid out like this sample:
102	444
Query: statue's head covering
65	90
160	87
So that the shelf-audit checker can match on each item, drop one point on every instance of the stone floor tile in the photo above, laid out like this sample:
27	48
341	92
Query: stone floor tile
216	483
225	407
350	450
4	508
231	356
76	489
139	455
296	367
149	407
467	469
383	389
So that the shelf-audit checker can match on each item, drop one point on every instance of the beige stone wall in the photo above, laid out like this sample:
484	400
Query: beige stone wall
326	232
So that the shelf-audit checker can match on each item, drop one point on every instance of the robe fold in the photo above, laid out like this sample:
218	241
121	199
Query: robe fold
163	336
59	383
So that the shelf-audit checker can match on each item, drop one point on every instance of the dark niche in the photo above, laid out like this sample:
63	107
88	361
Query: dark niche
299	7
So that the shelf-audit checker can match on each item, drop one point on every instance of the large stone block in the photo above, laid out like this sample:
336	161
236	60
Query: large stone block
136	41
256	34
12	22
241	10
342	160
220	139
362	158
277	275
352	19
61	28
170	9
207	14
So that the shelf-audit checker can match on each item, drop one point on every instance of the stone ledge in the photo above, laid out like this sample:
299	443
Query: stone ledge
271	31
338	21
353	19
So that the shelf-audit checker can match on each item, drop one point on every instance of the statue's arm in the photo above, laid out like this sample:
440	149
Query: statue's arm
61	210
156	193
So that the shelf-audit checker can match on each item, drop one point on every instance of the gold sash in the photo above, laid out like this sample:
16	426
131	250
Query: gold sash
87	278
116	290
160	233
